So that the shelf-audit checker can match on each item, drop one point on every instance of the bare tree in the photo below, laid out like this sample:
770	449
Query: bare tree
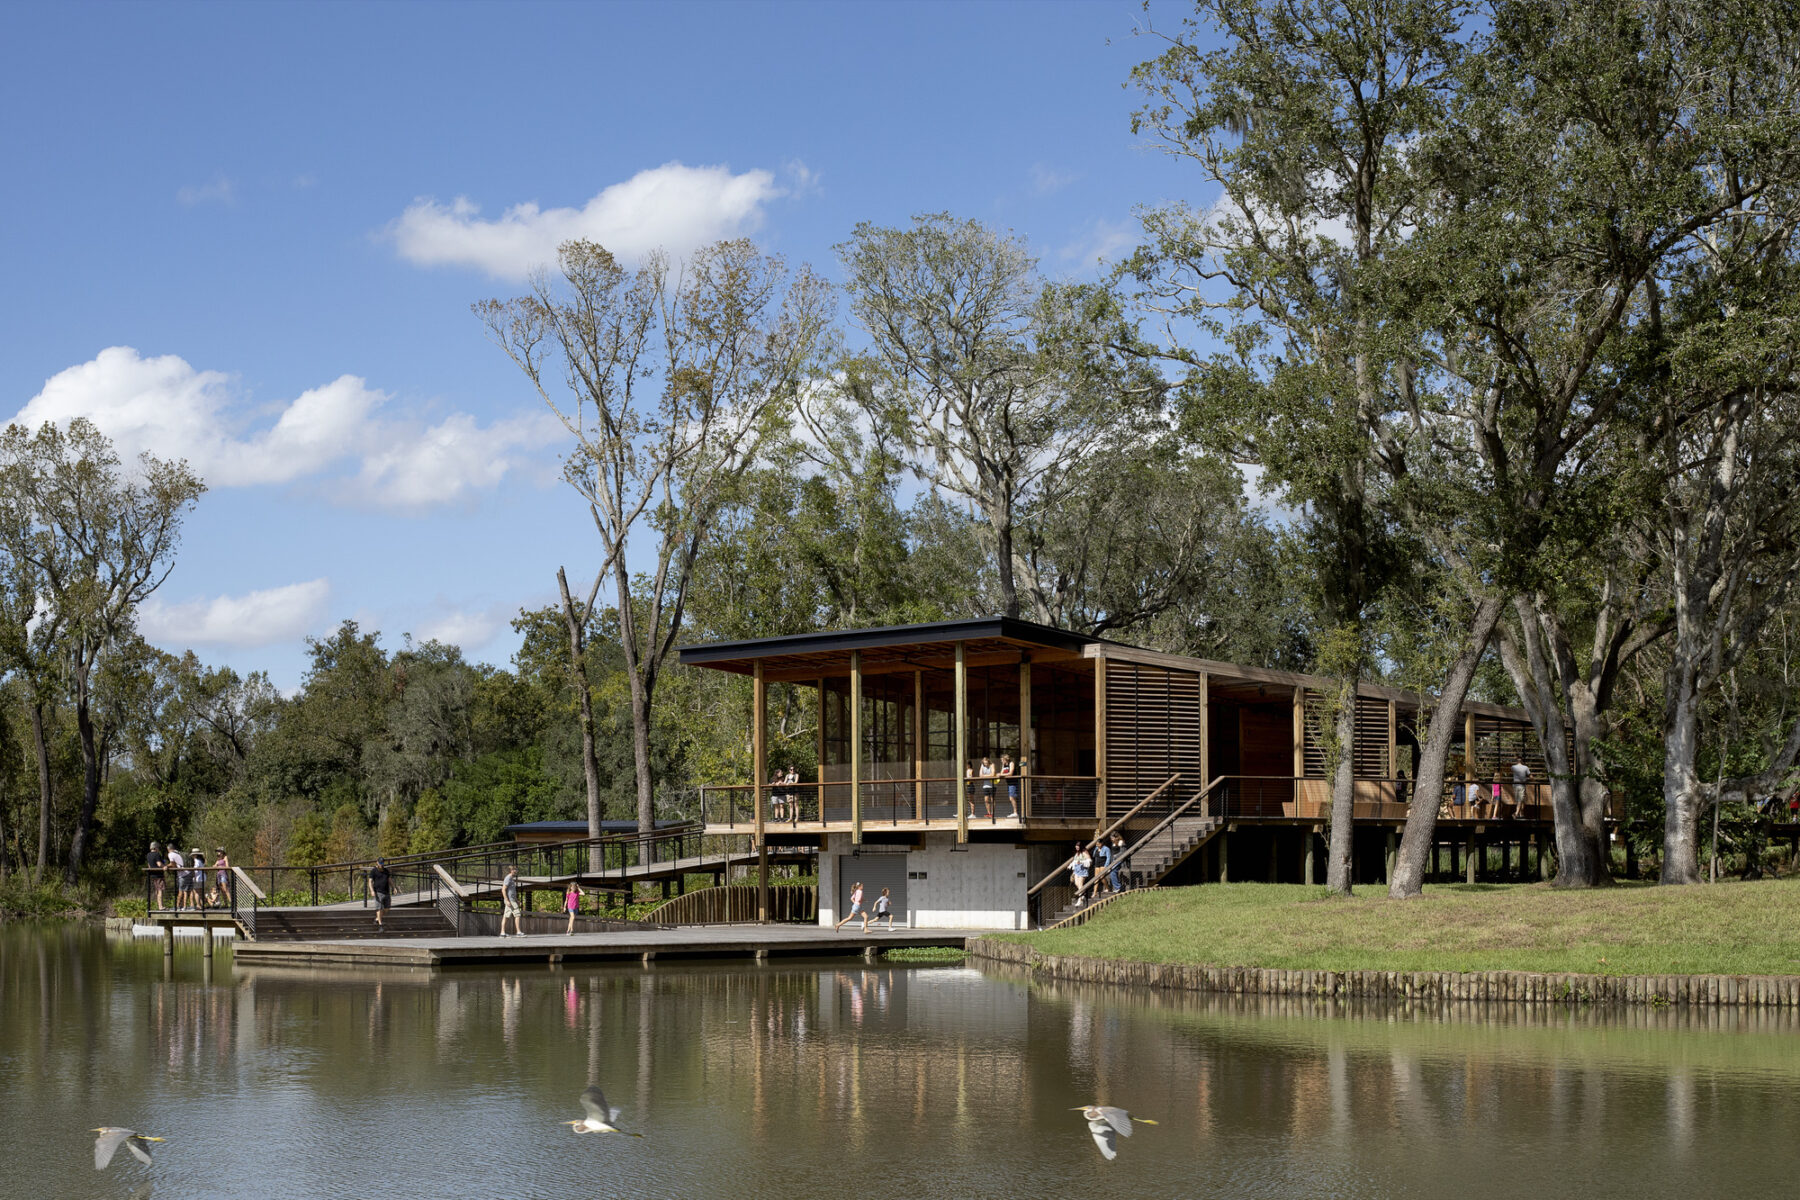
669	381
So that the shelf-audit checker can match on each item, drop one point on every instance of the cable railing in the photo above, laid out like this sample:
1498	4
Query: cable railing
903	801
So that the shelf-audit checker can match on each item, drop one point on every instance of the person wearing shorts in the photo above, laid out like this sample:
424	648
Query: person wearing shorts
509	893
155	864
381	883
856	909
571	903
884	907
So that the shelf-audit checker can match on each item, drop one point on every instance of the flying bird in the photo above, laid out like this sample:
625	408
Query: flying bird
112	1137
599	1117
1108	1124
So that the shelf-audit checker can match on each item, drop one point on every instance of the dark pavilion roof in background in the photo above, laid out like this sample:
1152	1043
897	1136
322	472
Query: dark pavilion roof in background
896	646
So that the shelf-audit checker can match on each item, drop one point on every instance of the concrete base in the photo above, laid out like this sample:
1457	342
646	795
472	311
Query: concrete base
975	885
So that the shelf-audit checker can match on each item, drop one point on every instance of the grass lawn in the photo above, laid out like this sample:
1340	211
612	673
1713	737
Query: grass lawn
1631	929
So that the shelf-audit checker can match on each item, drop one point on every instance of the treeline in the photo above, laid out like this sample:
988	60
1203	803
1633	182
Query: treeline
1495	302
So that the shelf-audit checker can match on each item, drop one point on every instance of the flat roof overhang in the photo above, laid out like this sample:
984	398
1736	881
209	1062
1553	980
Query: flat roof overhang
932	646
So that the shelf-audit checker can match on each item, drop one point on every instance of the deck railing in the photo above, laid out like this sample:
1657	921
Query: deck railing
902	801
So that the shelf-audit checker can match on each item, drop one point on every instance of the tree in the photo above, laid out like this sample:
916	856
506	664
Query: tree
672	386
1304	120
99	542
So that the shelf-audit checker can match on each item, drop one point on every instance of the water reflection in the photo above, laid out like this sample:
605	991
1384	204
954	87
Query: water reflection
863	1080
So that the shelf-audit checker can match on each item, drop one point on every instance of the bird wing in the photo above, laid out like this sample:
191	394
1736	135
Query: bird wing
1118	1118
107	1144
1103	1138
138	1149
593	1102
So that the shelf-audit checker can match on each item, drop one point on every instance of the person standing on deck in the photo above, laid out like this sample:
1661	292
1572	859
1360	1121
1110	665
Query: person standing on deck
1118	856
571	903
221	877
856	909
792	780
1521	775
1494	808
509	895
1103	864
777	797
987	786
1007	771
155	864
178	861
197	878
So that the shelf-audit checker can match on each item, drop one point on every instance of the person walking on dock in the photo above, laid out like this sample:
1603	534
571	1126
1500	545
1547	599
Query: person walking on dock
572	902
509	895
381	884
856	909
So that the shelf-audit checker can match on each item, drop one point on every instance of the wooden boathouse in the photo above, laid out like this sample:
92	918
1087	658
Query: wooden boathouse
1208	771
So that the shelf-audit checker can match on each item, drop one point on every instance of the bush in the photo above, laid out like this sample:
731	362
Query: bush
20	901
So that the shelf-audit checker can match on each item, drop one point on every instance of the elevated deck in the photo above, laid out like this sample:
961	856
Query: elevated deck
753	942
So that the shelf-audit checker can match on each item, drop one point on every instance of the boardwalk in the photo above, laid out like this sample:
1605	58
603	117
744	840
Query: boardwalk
752	942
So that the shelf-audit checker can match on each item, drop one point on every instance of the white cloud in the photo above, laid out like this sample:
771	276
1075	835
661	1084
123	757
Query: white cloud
468	630
1046	180
672	207
281	614
217	190
165	407
1101	242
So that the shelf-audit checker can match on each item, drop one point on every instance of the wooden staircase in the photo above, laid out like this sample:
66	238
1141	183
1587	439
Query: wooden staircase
1151	865
339	924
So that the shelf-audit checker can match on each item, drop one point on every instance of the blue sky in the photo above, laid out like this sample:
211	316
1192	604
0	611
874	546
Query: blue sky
249	235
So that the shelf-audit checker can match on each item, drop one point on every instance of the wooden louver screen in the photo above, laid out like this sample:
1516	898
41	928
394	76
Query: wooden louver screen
1314	749
1152	729
1371	755
1500	743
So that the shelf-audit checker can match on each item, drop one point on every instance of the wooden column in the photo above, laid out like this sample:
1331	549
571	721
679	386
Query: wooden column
1299	735
1022	765
1225	855
856	830
962	743
1205	736
1387	873
1100	739
919	744
1306	870
1469	753
759	771
1393	751
1469	860
820	797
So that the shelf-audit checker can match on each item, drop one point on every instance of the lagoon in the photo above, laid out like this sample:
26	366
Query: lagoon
854	1081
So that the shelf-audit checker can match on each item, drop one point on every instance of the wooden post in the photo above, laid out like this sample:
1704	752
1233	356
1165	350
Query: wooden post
1312	836
1299	736
821	752
1543	856
1205	736
1387	874
1224	855
1100	739
962	743
1455	859
1022	765
759	769
168	940
919	744
206	945
1469	860
1393	751
1469	753
856	830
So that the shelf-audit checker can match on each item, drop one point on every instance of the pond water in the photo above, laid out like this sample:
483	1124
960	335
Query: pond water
852	1082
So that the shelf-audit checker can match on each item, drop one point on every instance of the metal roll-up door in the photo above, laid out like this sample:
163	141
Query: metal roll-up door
876	871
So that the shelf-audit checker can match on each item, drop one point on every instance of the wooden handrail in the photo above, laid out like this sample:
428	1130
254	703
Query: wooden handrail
456	889
250	883
1111	829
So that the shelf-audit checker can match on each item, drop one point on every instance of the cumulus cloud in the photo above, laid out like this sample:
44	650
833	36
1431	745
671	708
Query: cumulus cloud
280	614
217	190
166	407
673	207
467	629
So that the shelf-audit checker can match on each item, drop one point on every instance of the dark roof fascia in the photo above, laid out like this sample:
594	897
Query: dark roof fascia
1009	628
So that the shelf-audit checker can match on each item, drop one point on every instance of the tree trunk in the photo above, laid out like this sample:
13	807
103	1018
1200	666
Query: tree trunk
1681	782
1421	820
1343	791
642	691
90	783
590	763
45	799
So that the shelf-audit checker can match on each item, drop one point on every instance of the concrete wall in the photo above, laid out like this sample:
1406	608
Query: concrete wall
979	886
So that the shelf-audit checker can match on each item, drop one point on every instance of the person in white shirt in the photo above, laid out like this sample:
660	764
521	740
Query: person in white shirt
1521	775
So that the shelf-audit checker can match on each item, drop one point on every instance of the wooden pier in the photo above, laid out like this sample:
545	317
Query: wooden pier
752	942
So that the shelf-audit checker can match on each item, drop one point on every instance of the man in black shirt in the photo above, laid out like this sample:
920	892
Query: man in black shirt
381	883
157	864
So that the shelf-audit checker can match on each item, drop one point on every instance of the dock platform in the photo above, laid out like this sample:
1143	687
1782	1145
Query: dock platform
646	946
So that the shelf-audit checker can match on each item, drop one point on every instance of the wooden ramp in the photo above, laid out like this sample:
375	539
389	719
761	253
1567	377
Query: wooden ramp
754	942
